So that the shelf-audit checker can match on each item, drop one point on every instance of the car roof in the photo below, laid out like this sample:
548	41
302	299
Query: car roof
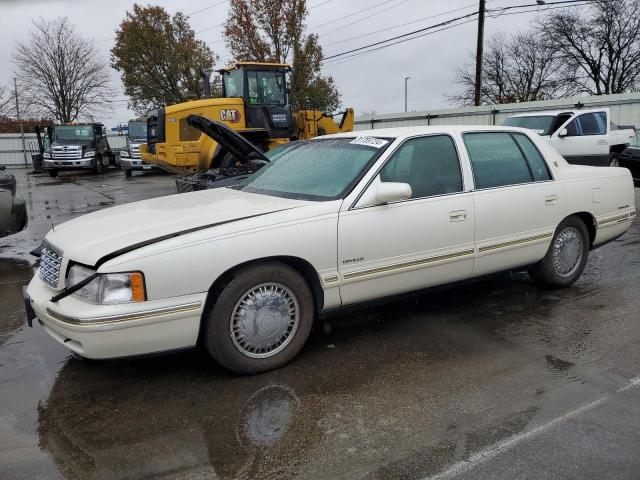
403	132
557	112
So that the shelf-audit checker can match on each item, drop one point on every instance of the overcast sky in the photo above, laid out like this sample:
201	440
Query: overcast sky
373	82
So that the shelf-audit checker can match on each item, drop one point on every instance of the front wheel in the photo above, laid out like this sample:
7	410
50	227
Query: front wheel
53	173
127	172
260	320
99	167
614	160
567	255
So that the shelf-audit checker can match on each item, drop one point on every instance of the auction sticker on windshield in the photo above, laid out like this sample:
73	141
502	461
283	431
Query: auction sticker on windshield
369	142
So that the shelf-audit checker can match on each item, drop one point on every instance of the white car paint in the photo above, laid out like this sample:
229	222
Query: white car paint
585	149
183	243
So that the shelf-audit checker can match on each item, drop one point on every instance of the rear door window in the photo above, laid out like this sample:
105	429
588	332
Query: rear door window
496	160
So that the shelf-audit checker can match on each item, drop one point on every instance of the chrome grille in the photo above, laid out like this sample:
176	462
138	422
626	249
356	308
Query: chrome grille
66	153
135	151
50	262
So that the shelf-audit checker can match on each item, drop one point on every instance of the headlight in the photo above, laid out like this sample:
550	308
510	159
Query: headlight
46	155
90	154
124	153
108	288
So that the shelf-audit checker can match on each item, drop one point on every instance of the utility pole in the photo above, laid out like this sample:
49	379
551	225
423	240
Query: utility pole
406	79
24	147
479	52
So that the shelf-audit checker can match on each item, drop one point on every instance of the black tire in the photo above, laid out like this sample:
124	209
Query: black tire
545	273
53	173
99	167
127	172
614	159
217	320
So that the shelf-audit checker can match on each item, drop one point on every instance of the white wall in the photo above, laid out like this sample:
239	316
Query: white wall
625	110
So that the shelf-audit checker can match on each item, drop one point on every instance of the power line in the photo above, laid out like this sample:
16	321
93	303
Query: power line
401	25
320	4
444	23
206	8
365	18
352	14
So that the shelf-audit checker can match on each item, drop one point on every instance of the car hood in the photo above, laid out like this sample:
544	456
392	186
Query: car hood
90	238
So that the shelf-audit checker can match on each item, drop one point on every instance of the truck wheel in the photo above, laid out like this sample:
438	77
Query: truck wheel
260	320
127	172
99	168
614	160
567	255
53	173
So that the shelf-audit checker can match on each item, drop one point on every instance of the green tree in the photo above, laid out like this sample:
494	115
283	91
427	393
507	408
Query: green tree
275	31
159	58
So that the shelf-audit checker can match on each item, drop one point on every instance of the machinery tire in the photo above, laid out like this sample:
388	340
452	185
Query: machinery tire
127	172
53	173
566	258
260	320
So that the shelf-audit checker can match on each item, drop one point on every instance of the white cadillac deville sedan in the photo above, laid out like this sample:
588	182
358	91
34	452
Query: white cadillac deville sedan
334	221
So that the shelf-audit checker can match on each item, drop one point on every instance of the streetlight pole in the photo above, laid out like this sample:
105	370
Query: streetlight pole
479	53
406	79
24	148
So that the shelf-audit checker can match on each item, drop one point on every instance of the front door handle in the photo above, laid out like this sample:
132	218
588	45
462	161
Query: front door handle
458	216
551	200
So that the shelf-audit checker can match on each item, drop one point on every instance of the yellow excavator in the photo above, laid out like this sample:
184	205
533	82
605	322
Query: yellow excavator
254	103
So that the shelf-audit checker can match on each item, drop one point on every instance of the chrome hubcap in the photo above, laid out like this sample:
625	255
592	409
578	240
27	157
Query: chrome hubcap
265	320
567	252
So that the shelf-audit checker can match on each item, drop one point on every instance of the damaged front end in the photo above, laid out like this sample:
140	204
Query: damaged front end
239	158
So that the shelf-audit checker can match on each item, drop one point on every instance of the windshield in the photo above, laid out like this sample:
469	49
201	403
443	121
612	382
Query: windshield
73	132
316	170
541	124
138	130
266	88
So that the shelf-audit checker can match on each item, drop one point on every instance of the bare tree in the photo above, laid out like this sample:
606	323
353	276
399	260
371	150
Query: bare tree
599	47
515	69
60	74
7	102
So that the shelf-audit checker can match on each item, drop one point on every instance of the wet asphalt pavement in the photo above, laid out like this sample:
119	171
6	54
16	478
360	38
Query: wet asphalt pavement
493	379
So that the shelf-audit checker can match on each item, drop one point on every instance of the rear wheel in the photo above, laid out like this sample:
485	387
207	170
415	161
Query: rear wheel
567	256
260	320
127	172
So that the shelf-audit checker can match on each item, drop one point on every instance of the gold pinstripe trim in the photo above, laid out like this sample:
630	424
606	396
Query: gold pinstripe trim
156	312
615	219
413	263
331	279
512	243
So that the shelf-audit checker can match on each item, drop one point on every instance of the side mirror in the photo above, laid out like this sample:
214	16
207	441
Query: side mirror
563	133
388	192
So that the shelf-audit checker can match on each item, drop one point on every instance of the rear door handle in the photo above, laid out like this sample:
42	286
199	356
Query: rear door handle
458	216
551	200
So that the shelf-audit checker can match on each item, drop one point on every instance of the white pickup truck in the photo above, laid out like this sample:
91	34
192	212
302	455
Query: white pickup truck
585	137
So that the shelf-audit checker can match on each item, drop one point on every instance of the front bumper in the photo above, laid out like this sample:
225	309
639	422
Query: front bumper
136	164
111	331
50	164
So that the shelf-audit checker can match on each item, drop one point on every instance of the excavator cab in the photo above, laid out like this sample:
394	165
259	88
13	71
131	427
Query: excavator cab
263	88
